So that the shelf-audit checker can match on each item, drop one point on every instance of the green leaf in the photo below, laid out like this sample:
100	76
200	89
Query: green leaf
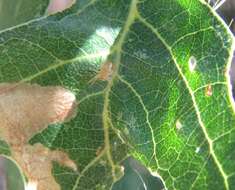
4	148
167	101
14	12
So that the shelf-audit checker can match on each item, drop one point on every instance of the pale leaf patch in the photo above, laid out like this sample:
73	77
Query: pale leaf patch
25	110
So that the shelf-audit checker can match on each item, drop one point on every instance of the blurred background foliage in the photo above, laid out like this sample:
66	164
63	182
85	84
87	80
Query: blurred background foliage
10	176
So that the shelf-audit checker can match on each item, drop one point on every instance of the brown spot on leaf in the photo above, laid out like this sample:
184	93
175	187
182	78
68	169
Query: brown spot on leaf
36	163
209	91
25	110
105	72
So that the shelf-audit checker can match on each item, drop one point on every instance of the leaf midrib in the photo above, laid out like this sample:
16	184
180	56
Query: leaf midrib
105	115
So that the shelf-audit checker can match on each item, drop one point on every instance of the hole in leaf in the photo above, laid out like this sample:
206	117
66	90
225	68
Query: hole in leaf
137	177
178	125
31	186
197	150
192	62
